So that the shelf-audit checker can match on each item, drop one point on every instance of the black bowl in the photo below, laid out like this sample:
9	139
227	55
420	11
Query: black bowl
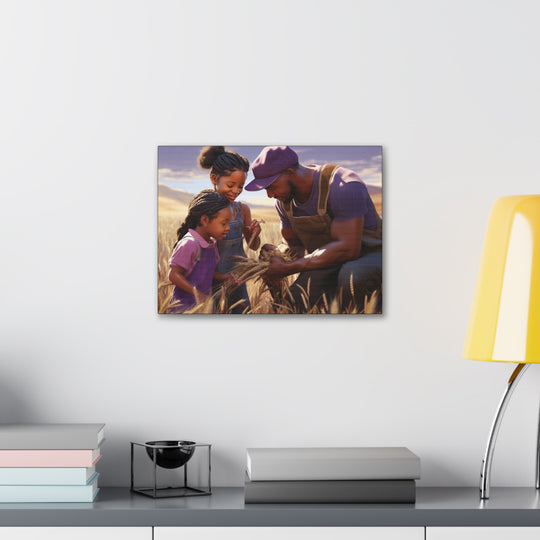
176	454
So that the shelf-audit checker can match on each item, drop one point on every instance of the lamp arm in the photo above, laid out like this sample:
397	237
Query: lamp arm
488	455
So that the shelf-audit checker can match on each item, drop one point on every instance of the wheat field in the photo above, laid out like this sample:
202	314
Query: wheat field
260	298
171	213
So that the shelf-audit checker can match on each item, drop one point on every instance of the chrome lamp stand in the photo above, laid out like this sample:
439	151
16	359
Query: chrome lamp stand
485	474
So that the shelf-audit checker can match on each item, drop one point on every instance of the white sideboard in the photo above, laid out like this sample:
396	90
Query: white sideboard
289	533
482	533
270	533
76	533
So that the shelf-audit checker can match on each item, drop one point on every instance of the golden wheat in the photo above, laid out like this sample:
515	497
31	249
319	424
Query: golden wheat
264	298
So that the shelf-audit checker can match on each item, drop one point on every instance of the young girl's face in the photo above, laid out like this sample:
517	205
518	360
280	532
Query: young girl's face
229	186
218	226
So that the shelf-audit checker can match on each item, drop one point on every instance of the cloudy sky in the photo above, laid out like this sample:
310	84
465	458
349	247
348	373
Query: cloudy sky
177	165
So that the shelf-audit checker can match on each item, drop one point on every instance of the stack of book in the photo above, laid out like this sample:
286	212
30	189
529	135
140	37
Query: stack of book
49	462
331	475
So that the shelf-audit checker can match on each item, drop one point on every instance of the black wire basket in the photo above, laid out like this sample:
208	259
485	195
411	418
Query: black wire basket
167	467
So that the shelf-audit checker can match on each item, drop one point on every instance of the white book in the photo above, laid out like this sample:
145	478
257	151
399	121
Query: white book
341	463
51	436
28	476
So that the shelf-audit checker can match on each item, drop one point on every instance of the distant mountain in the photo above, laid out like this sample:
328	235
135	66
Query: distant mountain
184	197
179	195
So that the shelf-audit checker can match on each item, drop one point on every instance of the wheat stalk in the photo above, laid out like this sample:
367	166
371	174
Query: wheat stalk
265	298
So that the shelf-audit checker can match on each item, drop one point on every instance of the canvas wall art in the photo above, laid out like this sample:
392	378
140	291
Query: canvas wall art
285	230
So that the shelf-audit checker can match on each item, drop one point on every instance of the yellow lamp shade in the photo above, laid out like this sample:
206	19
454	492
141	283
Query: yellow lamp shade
505	318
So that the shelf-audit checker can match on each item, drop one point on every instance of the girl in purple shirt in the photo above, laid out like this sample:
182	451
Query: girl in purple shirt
195	256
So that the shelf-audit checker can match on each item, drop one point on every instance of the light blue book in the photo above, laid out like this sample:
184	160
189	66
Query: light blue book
39	494
60	476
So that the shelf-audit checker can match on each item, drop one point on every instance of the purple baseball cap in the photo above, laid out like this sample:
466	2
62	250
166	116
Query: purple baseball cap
269	164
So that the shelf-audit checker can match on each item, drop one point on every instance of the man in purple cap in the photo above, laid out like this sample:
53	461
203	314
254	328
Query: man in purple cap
328	221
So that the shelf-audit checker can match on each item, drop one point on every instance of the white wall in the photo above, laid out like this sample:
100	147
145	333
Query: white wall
90	89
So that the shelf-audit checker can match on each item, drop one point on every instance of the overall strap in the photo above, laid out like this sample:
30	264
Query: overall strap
237	209
326	175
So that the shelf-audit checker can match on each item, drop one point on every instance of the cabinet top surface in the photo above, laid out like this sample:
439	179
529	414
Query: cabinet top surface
225	507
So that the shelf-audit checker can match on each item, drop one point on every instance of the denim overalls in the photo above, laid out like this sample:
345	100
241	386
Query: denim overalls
231	247
354	278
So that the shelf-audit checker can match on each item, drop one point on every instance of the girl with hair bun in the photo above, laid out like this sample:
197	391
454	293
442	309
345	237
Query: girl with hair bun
195	256
228	174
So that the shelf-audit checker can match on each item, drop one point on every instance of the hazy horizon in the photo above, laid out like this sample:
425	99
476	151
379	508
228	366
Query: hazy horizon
178	168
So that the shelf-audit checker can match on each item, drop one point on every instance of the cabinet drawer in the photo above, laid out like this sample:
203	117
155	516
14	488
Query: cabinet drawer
76	533
483	533
289	533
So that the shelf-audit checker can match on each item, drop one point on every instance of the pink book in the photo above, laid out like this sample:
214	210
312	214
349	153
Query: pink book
49	458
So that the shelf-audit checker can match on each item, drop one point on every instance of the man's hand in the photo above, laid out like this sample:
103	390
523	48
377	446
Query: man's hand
267	252
278	269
